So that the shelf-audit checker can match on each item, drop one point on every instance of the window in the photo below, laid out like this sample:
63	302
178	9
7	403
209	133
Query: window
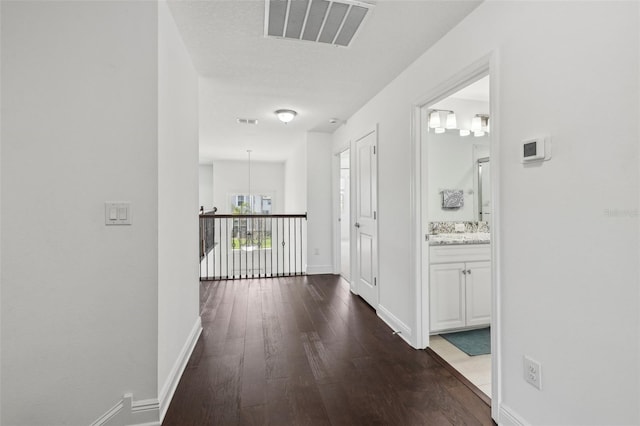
254	204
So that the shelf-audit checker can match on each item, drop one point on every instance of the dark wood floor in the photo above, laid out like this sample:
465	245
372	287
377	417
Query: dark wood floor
305	351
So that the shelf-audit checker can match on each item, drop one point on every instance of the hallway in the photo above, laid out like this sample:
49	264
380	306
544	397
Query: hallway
305	351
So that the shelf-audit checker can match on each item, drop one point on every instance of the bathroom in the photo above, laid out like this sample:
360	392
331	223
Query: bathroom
457	208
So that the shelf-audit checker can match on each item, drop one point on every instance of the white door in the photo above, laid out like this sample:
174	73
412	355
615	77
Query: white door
366	266
478	279
447	296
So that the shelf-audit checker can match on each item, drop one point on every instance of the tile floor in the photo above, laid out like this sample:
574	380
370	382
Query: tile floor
475	368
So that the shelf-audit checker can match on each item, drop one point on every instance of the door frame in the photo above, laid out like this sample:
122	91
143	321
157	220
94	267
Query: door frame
487	65
337	214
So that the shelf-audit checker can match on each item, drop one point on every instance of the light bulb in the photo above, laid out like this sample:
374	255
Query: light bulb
451	120
434	119
465	132
478	133
440	130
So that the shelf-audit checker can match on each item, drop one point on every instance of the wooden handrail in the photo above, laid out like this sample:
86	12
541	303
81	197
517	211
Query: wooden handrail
248	216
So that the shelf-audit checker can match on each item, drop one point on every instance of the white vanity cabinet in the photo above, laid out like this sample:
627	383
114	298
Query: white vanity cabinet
459	286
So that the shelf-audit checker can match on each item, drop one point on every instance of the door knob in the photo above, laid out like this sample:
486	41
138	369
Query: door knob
357	225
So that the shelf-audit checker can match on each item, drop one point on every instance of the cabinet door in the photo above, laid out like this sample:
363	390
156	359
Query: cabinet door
478	283
446	298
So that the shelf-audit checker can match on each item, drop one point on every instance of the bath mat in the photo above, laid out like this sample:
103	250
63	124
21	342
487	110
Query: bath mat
471	342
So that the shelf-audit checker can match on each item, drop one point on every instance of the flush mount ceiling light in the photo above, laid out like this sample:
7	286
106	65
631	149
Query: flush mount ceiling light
286	115
321	21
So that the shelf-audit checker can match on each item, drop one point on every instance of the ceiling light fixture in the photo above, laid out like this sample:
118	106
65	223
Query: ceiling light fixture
286	115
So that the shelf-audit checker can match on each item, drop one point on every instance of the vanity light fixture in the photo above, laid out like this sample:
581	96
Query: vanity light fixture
434	119
479	123
286	115
476	123
451	120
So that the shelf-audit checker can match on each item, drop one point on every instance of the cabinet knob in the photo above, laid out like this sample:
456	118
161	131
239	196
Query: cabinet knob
469	271
464	272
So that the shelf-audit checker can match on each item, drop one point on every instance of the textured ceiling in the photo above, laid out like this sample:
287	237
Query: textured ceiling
245	74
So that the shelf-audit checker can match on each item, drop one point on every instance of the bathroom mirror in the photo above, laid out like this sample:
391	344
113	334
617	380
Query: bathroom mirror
452	165
456	155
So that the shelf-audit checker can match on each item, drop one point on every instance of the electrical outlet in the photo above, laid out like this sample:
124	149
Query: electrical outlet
533	372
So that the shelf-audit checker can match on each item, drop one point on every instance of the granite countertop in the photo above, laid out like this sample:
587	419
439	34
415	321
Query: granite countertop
459	238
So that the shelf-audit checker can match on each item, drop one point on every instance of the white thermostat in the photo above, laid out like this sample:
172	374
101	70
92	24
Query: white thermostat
536	149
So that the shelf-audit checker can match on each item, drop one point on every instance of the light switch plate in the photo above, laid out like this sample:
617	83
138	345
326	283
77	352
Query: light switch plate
117	213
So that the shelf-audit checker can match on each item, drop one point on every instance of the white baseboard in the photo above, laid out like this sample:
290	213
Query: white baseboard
319	269
151	412
509	418
128	412
395	324
170	385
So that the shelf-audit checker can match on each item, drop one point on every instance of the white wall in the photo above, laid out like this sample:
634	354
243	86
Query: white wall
576	214
319	204
232	177
80	299
205	186
178	282
295	180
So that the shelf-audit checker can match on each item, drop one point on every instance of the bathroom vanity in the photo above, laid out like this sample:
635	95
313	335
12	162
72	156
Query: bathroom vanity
459	281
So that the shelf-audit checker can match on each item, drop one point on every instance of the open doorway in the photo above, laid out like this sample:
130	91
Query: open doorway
456	214
345	214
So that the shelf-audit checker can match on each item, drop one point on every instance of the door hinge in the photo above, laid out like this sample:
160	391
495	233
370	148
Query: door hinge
374	149
426	237
375	216
375	281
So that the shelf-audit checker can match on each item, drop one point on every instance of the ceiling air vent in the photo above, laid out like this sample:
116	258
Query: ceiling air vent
331	22
247	121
